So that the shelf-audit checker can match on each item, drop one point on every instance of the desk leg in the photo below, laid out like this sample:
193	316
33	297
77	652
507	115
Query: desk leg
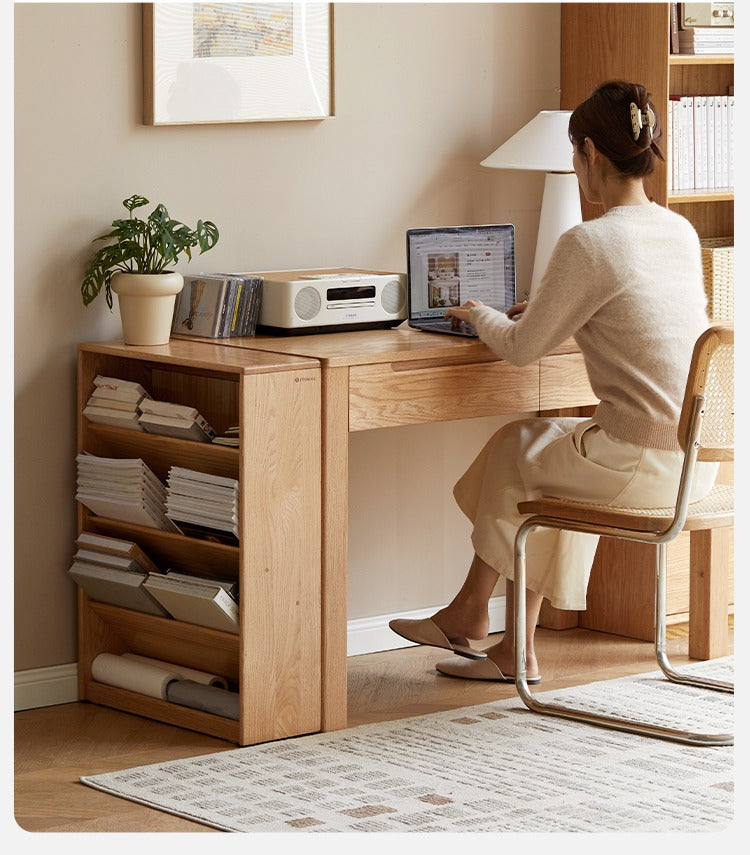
335	557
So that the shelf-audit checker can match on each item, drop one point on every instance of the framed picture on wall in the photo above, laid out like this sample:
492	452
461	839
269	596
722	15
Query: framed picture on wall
237	62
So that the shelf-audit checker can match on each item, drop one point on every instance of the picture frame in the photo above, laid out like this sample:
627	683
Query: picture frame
237	62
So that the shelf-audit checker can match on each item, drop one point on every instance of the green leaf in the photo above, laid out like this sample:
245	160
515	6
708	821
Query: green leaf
208	235
135	202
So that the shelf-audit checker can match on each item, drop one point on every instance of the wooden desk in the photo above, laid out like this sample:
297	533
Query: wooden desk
398	377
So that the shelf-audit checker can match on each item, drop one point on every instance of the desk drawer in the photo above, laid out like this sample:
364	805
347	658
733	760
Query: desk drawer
387	396
563	382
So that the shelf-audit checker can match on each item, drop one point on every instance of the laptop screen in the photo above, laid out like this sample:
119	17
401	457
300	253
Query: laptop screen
447	266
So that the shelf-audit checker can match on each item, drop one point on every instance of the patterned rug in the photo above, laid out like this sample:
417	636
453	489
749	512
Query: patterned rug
494	767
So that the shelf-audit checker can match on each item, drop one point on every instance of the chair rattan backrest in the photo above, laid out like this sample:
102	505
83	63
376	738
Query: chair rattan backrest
712	376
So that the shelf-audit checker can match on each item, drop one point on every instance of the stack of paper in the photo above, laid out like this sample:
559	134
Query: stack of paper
707	40
113	571
122	489
205	506
195	600
115	402
174	420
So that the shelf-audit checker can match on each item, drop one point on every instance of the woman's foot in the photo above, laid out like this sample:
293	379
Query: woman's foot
467	621
503	655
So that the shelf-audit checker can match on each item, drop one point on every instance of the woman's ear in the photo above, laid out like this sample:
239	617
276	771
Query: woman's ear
589	149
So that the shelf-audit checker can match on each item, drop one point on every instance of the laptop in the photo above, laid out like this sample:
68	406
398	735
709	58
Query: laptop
446	266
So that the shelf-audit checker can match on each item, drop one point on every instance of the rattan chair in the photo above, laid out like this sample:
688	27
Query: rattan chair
706	432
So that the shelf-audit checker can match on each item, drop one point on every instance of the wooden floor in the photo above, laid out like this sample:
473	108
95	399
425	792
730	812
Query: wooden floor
55	745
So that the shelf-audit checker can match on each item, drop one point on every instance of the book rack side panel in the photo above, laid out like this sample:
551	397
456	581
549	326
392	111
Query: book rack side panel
280	546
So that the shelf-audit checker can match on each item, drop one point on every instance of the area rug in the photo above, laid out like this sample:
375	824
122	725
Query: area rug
494	767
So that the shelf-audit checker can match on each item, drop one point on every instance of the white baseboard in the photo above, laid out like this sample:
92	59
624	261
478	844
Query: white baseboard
46	687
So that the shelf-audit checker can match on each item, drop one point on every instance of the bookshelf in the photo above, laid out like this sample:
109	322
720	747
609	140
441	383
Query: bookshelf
274	662
631	41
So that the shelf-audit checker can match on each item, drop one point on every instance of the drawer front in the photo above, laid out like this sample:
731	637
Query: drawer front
388	396
563	382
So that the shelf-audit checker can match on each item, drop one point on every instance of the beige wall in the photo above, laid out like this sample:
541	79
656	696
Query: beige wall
423	93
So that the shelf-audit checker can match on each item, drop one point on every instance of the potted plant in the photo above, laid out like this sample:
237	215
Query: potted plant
135	266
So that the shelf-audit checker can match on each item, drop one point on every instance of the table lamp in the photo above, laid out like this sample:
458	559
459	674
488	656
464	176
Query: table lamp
543	144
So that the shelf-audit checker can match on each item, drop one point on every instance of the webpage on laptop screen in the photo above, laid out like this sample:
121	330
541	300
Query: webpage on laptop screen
448	267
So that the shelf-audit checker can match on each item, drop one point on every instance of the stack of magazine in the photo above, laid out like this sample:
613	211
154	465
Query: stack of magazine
115	402
707	40
204	506
113	571
194	599
218	305
122	489
176	420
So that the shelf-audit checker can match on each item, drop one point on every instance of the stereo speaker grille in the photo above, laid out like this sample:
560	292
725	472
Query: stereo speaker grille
393	297
307	303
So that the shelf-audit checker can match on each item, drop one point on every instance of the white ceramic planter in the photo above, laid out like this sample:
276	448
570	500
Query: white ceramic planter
146	305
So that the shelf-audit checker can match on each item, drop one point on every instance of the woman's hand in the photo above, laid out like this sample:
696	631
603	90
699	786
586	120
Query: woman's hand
517	309
462	314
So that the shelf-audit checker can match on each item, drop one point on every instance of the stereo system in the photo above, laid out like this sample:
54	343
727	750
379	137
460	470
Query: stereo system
298	302
707	15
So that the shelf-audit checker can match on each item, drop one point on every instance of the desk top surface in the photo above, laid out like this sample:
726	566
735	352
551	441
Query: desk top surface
401	344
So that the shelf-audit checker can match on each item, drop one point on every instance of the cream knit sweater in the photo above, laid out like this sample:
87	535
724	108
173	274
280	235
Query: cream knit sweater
628	287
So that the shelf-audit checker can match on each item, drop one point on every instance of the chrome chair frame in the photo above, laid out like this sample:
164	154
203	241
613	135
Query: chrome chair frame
660	539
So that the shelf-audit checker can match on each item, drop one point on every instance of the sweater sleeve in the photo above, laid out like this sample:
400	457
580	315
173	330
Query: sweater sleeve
561	306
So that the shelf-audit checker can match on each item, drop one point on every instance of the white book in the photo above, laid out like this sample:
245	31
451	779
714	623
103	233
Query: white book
204	477
670	154
701	137
165	408
713	174
118	385
722	107
730	141
198	429
117	587
200	604
112	403
113	418
688	175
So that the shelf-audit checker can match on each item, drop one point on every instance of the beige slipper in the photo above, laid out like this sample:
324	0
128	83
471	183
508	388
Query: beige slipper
426	631
484	670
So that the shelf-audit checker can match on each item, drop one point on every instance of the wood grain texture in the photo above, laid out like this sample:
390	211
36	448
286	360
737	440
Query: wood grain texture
280	576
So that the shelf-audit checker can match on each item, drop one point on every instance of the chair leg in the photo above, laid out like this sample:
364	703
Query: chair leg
660	632
586	716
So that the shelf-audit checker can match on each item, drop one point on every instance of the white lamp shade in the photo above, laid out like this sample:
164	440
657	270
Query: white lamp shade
541	144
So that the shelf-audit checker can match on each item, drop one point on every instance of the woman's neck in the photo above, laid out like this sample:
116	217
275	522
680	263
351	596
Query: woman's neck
617	193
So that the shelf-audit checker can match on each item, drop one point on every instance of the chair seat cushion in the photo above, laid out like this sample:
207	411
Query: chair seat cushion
714	511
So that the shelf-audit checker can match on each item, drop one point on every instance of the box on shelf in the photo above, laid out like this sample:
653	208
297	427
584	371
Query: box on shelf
718	277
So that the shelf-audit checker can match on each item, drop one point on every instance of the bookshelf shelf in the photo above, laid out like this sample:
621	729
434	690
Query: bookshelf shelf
687	197
274	661
700	59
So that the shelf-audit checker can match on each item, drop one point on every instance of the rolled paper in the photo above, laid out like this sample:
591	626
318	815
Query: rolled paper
182	671
208	699
134	676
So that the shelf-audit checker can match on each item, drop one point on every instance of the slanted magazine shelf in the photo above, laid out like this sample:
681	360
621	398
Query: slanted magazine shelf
274	660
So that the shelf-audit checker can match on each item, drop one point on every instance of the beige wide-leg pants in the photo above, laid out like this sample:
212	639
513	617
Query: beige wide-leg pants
569	458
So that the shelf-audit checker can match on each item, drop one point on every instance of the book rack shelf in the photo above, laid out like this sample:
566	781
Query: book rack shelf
630	41
274	660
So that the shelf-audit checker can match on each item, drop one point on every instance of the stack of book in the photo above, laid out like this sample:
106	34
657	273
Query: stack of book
175	420
113	571
194	599
115	402
204	506
707	40
122	489
701	142
230	437
218	305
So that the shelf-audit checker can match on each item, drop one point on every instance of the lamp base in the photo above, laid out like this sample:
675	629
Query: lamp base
561	210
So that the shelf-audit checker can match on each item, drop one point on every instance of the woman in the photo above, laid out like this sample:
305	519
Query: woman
628	286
